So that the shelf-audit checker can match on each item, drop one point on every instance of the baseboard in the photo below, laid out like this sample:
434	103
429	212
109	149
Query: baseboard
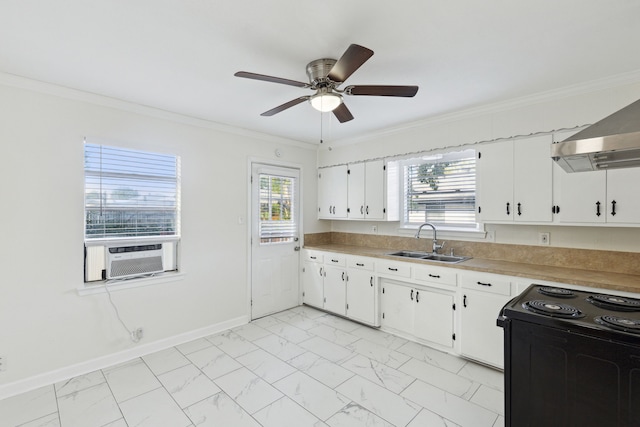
52	377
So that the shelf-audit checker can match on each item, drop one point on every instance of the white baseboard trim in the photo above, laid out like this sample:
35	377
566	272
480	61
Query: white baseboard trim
62	374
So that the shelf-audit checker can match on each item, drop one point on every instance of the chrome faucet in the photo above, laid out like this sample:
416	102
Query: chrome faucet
436	245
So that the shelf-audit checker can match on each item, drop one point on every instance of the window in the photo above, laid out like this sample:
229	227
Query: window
277	208
441	189
131	198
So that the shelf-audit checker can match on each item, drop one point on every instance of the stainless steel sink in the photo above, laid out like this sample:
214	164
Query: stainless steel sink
450	259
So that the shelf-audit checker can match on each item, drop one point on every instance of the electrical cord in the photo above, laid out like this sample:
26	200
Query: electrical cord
132	334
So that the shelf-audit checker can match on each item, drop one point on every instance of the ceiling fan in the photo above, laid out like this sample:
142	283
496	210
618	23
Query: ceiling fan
325	77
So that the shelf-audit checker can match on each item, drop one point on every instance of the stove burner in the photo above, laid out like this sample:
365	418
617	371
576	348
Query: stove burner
557	292
614	302
620	323
553	309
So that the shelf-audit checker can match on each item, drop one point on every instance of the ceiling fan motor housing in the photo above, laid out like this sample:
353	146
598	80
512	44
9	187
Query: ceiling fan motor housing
318	70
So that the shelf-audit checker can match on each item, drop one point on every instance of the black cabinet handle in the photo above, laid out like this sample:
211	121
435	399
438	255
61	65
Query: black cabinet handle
411	295
519	209
367	210
597	208
371	280
555	209
464	301
484	284
359	265
335	260
361	210
392	269
313	257
343	276
417	296
613	208
435	276
508	212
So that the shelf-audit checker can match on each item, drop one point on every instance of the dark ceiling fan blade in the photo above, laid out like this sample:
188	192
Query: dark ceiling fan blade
350	61
342	113
271	79
284	106
375	90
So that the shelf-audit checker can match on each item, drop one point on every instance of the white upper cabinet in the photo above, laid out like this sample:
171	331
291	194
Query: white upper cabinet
360	191
332	192
515	180
623	196
366	198
598	197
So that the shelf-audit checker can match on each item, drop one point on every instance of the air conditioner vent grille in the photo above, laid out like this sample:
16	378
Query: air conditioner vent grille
135	267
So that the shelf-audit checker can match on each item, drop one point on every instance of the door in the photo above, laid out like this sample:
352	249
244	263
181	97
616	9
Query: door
397	307
361	296
275	212
495	179
374	189
433	320
313	284
335	289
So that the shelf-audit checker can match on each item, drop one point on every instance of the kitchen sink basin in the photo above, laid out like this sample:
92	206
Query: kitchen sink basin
450	259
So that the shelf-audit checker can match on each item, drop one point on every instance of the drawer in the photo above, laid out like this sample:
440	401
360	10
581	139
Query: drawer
487	283
444	276
401	269
331	258
360	263
314	256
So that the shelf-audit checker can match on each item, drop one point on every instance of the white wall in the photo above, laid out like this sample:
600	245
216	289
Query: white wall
566	108
44	324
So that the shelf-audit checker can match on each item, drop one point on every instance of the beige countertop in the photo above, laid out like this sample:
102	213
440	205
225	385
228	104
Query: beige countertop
590	278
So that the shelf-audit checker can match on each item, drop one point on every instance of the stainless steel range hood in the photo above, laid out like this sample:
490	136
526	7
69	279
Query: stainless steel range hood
611	143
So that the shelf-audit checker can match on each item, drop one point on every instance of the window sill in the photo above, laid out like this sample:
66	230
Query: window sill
119	285
443	232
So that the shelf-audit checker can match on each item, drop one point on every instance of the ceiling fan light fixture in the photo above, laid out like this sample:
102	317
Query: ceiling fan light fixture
325	101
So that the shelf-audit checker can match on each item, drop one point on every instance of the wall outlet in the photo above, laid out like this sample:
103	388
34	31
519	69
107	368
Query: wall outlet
3	363
543	239
374	229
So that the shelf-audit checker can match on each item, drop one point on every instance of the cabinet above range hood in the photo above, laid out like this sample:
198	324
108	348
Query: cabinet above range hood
611	143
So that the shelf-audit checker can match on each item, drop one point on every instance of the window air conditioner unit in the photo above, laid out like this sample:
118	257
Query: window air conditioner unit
131	261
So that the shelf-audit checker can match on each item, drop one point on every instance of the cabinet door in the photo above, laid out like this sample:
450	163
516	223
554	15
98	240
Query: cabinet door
356	178
582	196
361	296
480	338
433	319
374	190
397	307
332	192
312	284
495	180
623	196
533	179
335	289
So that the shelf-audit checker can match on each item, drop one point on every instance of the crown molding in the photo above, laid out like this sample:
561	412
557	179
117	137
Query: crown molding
20	82
536	98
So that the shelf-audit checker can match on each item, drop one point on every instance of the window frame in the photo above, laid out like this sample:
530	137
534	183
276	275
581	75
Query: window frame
472	229
172	265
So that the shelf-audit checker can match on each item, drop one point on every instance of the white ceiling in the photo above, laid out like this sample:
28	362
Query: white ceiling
180	55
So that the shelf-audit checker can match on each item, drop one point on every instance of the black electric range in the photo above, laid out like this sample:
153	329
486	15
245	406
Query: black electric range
572	358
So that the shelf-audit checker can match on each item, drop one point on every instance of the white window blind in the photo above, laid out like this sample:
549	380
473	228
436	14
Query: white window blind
441	189
277	208
130	193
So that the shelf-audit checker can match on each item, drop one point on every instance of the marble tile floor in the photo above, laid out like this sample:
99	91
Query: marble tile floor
298	368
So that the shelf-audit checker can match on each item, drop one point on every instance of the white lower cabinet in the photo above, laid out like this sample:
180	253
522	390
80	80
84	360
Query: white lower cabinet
342	284
362	291
335	289
420	312
312	279
483	296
